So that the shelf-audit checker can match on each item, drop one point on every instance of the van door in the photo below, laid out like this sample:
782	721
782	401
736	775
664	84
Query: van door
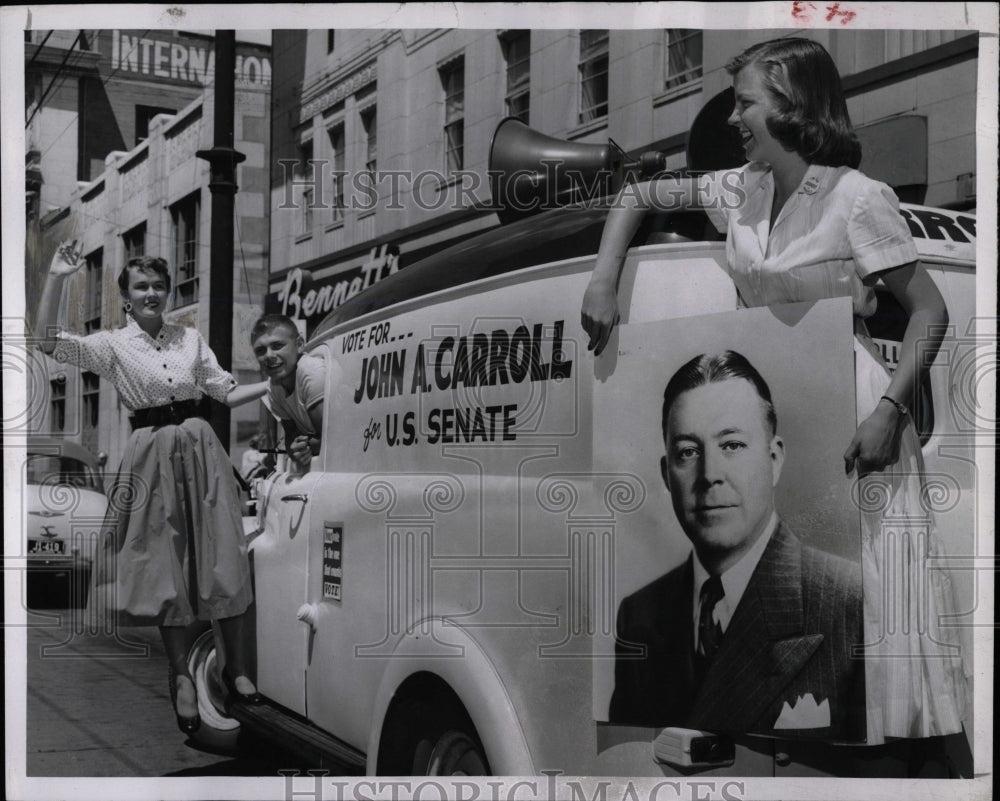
281	560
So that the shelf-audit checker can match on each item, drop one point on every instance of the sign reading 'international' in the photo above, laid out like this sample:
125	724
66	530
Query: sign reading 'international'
160	55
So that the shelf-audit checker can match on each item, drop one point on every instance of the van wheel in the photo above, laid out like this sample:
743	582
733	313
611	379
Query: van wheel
454	753
427	732
218	731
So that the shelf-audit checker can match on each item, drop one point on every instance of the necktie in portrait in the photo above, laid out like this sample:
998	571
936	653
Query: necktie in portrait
709	630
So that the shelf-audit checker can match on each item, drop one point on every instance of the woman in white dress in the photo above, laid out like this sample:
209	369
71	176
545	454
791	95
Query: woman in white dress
804	224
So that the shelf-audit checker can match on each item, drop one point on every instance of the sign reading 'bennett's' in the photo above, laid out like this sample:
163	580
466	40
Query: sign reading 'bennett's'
303	297
164	55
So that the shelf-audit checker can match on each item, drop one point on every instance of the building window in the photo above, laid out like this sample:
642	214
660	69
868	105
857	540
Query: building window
517	54
336	134
593	75
305	170
92	302
57	404
91	399
329	40
369	121
134	240
184	217
143	116
453	82
683	62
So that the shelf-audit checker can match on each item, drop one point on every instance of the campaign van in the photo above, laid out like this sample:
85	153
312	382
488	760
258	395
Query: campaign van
432	594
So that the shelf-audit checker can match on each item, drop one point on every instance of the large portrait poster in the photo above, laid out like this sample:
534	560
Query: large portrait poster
784	665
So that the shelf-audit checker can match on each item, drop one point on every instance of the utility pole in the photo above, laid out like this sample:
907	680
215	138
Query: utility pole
223	158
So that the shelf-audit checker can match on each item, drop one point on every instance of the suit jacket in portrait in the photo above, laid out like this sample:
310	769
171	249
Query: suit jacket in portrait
784	666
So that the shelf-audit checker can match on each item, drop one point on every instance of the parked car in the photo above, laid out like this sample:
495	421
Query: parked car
65	503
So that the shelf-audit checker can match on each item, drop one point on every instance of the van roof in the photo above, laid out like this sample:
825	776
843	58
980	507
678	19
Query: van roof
940	235
551	236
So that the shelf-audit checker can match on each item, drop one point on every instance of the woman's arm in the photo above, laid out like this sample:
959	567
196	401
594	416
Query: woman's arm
244	393
876	444
599	314
66	261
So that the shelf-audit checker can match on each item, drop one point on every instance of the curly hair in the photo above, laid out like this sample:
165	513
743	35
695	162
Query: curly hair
804	84
144	264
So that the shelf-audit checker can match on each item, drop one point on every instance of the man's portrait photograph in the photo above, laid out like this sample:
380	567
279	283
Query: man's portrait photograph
740	609
743	593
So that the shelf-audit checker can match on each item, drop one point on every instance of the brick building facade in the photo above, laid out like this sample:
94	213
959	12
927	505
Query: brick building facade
91	92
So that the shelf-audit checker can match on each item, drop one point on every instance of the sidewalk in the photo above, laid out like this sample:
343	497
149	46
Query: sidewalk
100	706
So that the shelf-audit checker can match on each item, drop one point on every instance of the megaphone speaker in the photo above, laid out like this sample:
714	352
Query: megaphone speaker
531	171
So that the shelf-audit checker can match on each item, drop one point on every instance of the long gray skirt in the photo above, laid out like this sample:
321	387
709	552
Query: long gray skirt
172	549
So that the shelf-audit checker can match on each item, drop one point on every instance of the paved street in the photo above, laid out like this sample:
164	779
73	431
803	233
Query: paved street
97	706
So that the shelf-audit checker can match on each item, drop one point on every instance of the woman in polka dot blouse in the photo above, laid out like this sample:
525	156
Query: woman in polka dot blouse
173	550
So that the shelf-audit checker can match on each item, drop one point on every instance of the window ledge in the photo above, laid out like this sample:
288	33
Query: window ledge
334	226
365	213
677	92
588	127
300	238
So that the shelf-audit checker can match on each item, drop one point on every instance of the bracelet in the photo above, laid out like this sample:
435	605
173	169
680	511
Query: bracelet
903	411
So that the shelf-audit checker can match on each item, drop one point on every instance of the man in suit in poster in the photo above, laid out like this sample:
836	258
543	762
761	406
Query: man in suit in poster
753	633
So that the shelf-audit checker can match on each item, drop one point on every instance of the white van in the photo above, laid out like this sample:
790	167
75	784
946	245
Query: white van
424	598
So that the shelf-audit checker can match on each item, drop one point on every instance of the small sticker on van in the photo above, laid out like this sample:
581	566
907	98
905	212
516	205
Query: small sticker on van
333	536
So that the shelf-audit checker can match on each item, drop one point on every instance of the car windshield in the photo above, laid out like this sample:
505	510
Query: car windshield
54	470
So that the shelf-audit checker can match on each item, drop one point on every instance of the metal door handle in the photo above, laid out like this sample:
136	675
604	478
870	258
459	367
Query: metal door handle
298	496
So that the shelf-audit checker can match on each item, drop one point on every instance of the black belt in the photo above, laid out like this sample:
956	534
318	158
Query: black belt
171	414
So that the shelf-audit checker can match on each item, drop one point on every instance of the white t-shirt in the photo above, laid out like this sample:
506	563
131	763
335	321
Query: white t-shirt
309	389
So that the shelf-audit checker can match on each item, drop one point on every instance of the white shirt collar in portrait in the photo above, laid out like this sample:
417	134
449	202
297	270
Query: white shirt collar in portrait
734	580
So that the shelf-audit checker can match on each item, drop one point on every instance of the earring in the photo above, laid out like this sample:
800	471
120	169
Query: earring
128	306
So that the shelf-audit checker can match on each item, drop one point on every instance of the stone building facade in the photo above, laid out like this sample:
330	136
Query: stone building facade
381	138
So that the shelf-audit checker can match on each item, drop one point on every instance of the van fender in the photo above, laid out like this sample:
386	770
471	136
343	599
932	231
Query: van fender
474	680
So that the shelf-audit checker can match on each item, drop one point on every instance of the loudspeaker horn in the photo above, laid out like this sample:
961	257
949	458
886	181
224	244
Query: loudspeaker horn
531	172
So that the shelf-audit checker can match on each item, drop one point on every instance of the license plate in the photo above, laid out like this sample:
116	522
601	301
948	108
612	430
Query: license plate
46	546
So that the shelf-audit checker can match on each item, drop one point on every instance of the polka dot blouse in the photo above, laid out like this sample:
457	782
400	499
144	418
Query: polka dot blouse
176	365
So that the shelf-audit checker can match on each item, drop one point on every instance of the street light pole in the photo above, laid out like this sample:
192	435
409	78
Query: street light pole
222	158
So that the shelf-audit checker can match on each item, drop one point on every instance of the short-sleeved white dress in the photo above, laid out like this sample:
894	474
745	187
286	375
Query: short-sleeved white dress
172	549
837	230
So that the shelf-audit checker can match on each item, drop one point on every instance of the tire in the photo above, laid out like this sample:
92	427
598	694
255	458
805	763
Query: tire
431	736
455	753
218	731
